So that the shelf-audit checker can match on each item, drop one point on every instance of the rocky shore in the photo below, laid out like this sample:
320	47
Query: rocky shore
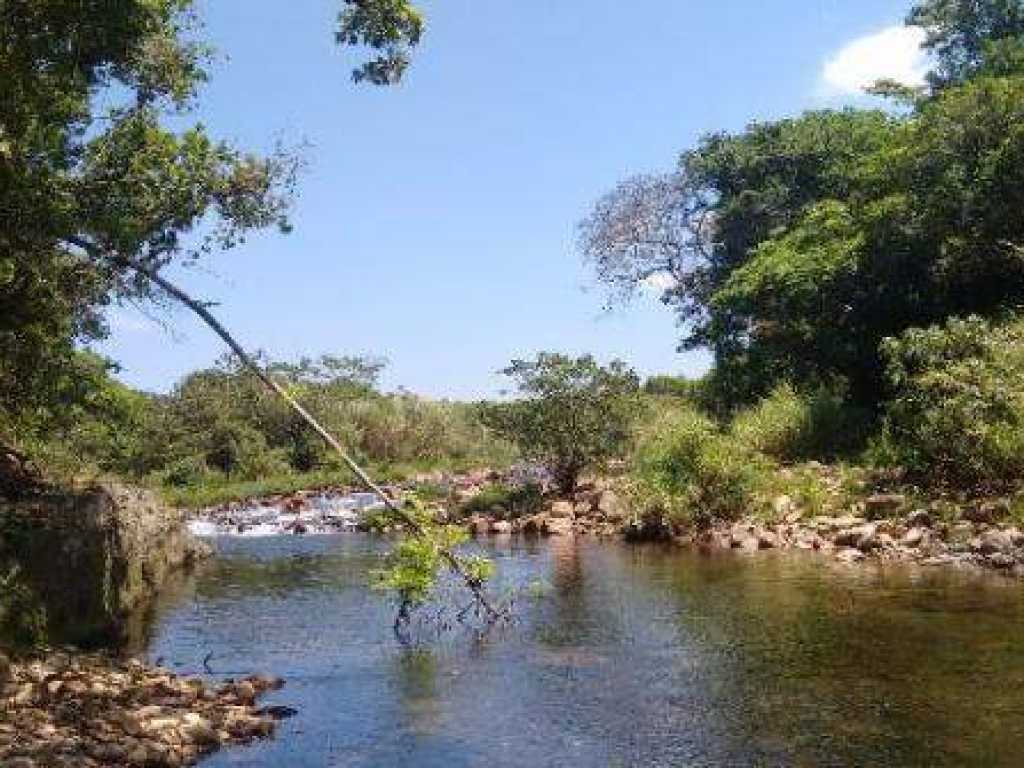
917	537
74	710
881	527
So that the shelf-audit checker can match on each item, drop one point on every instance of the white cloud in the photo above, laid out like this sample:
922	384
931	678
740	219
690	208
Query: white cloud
659	282
892	54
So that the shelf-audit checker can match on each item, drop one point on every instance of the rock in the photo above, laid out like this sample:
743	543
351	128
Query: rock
767	540
863	537
479	525
1002	561
919	518
557	526
884	505
561	509
119	542
913	537
501	527
245	691
612	506
197	730
992	541
849	555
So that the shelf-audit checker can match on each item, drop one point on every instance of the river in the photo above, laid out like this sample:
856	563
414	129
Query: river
619	656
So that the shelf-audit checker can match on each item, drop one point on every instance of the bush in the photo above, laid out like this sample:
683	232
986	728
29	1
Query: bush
956	417
686	469
186	472
514	500
573	414
789	426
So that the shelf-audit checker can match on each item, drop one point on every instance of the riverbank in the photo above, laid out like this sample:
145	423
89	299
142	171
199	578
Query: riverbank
894	525
75	710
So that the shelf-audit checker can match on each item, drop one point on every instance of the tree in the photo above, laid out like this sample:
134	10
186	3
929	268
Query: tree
93	177
826	233
572	414
968	37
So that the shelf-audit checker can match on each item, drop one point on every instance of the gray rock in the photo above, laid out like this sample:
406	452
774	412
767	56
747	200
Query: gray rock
863	537
993	541
913	537
501	527
1002	560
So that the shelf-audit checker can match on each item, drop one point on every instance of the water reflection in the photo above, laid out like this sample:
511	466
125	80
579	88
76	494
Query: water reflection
630	656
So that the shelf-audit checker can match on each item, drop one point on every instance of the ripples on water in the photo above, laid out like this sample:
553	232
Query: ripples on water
620	656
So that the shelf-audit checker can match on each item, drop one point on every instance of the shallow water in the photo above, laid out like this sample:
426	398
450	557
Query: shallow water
620	656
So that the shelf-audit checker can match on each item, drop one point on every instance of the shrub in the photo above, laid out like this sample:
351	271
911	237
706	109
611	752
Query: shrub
956	416
789	426
573	415
186	472
514	500
688	470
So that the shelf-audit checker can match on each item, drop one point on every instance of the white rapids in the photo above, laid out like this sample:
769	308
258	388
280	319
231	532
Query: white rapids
323	514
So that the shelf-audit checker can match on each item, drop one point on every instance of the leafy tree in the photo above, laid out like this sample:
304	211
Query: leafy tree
95	175
968	37
793	248
573	414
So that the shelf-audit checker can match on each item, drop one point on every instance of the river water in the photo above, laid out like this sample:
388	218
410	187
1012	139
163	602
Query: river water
619	656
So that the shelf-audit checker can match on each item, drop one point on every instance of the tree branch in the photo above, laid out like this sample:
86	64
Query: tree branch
200	308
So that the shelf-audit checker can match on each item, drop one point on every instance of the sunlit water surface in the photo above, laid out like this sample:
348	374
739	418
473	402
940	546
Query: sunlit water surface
619	656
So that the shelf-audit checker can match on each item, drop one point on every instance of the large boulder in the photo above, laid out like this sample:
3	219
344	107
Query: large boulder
91	556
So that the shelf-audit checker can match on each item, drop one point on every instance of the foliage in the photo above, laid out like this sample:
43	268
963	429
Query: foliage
99	167
957	411
572	414
22	616
969	36
686	469
671	386
788	425
389	26
413	566
513	500
794	247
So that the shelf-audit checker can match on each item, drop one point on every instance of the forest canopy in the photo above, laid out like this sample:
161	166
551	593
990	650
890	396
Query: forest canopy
792	249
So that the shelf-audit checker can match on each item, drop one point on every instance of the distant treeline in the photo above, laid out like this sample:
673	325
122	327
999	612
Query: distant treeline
222	424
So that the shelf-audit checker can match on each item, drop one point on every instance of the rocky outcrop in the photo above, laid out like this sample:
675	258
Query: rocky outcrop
91	556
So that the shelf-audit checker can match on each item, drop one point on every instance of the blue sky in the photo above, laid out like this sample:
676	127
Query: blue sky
435	223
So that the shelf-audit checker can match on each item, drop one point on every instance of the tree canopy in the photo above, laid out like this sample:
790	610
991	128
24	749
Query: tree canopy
793	248
96	174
